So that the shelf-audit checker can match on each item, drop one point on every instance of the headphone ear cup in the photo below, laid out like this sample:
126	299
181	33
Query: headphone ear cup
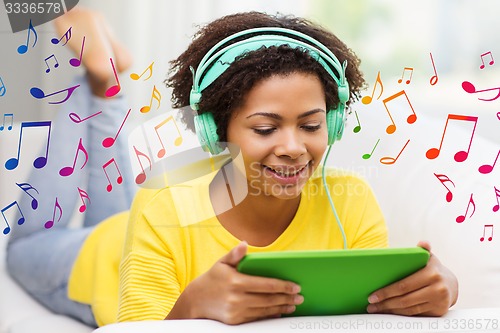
206	131
335	123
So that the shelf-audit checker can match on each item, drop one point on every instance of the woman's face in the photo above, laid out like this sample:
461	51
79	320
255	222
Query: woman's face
281	130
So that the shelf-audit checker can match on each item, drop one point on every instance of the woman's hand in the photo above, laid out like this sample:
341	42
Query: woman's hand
430	291
226	295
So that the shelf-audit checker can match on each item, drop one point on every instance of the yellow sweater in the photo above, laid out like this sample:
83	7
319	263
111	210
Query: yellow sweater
173	237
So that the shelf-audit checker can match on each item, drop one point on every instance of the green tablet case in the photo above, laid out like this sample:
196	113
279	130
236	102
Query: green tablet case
336	281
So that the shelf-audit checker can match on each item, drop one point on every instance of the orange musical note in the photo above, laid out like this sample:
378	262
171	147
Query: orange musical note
141	177
410	69
156	95
434	78
471	89
411	118
19	222
119	179
83	195
177	141
55	65
39	162
3	89
109	141
135	76
66	35
443	179
76	118
497	194
76	62
115	89
67	171
39	94
482	60
358	127
461	218
392	160
26	187
368	155
24	48
487	168
484	231
368	99
461	155
50	223
7	115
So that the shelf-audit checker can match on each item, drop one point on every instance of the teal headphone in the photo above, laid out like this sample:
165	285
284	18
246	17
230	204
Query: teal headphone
220	57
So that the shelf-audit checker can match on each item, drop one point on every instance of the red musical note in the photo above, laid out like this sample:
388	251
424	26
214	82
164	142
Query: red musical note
410	69
368	155
471	89
156	95
67	171
24	48
3	89
411	118
26	187
83	195
77	62
19	222
498	115
7	115
177	141
461	155
141	177
50	223
135	76
497	194
39	162
461	218
484	231
368	99
486	168
113	90
66	35
119	179
443	179
55	65
358	127
434	78
482	60
109	141
39	94
76	118
392	160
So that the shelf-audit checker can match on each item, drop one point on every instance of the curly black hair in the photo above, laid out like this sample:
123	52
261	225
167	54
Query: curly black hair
228	91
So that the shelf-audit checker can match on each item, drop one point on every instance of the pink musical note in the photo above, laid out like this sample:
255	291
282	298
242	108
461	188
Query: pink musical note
3	89
76	62
487	168
76	118
115	89
369	99
19	222
7	115
141	177
109	141
156	95
461	155
461	218
50	223
368	155
39	94
498	115
497	194
392	160
410	69
135	76
66	35
67	171
39	162
177	141
411	118
471	89
26	187
443	179
482	60
24	48
119	179
358	127
83	195
434	78
484	232
55	65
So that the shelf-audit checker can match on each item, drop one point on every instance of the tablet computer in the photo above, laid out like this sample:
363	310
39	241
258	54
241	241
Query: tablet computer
336	281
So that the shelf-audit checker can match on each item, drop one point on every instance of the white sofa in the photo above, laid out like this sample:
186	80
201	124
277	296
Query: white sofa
412	198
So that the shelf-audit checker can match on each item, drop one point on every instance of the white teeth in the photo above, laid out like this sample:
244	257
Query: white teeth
288	173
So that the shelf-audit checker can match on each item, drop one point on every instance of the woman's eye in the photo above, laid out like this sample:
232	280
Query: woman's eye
311	128
264	131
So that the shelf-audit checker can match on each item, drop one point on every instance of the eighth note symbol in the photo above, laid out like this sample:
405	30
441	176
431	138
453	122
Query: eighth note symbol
482	60
461	218
50	223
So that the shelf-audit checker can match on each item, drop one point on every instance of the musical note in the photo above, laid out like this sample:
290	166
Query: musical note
498	115
482	60
368	99
434	78
443	179
177	141
410	69
19	222
77	62
67	171
66	35
141	177
119	179
7	115
392	160
471	89
109	141
83	195
461	218
484	231
136	77
497	194
113	90
486	168
55	65
24	48
50	223
76	118
368	155
411	118
26	187
156	95
39	162
358	127
3	90
39	94
461	155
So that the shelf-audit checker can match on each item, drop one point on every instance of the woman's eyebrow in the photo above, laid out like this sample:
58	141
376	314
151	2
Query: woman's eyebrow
279	117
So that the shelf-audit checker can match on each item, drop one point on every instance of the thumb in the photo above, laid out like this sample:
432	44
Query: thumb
234	256
424	244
